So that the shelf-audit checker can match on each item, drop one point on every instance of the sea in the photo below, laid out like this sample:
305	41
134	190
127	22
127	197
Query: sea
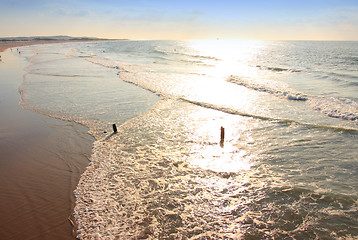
286	167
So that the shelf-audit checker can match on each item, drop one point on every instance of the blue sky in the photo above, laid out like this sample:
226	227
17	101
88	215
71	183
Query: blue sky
185	19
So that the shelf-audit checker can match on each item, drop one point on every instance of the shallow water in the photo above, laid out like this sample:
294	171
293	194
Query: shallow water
288	167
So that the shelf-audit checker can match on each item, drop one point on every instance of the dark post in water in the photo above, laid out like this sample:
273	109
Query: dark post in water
222	137
114	128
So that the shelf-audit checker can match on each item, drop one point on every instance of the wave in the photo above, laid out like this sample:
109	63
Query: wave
203	57
344	76
343	108
60	75
278	120
289	94
175	55
331	107
277	69
103	62
178	52
352	84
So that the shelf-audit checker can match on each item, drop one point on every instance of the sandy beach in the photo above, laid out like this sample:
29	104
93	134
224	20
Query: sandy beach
41	160
13	44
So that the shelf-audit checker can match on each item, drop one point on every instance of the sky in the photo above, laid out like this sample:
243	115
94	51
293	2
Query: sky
182	19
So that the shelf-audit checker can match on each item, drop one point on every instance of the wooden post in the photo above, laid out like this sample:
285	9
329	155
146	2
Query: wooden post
222	137
114	128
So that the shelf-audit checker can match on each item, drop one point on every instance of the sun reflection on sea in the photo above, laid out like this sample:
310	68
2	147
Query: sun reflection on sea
221	60
208	87
234	156
229	56
226	159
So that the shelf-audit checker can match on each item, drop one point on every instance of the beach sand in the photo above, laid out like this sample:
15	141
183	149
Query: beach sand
41	160
14	44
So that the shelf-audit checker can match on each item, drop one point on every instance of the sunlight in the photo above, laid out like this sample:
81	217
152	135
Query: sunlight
228	56
228	159
225	58
234	156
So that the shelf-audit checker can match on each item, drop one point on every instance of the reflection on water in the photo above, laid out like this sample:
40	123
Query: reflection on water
228	56
176	181
286	170
206	151
157	161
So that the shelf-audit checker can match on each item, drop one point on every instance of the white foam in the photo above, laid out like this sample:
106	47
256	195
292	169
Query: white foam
271	87
336	107
343	108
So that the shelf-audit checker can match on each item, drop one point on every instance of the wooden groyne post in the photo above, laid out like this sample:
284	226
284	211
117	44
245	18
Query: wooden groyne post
222	136
114	128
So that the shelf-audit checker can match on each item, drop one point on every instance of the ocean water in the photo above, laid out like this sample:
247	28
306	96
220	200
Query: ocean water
288	168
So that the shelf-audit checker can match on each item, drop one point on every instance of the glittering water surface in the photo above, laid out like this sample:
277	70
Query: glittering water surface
288	167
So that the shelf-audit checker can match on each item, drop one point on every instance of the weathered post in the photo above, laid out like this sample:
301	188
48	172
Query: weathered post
222	137
114	128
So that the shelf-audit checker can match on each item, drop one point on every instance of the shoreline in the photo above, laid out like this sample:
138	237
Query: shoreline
41	162
14	43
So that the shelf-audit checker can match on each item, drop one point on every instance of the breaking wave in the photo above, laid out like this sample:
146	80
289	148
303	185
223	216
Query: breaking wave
343	108
265	86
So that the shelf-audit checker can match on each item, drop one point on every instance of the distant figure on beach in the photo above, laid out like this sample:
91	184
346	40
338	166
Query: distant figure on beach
0	58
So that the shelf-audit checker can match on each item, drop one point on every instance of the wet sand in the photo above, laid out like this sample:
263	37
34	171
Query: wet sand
41	160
